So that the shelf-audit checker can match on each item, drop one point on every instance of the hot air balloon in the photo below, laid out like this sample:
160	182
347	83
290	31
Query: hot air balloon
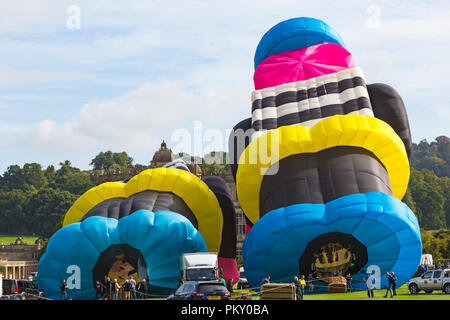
322	164
140	227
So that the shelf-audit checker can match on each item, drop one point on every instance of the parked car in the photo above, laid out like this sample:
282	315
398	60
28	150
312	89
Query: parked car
438	279
23	287
201	290
242	282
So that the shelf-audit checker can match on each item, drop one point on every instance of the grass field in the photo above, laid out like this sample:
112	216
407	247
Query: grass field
402	294
11	239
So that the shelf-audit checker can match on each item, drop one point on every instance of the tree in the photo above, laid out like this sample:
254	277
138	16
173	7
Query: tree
75	182
109	161
427	194
48	207
18	178
13	213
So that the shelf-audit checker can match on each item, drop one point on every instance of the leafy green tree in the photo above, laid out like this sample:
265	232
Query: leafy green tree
111	160
31	174
14	217
48	207
427	193
75	182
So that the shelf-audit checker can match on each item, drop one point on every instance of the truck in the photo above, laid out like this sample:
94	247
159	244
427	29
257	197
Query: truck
199	266
438	279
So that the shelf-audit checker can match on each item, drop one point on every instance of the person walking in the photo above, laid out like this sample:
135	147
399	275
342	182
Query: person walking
116	287
370	282
394	283
389	287
63	290
311	283
142	289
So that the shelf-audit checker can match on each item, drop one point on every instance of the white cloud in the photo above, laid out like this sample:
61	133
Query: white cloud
136	119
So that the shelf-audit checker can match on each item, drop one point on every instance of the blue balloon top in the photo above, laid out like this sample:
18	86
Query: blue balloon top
294	34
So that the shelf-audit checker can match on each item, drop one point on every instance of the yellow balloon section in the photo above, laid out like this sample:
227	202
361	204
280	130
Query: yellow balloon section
191	189
340	130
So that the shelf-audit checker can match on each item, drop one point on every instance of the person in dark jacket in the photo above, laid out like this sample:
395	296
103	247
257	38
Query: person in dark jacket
298	286
390	283
99	289
230	285
63	289
265	280
142	288
394	283
109	288
348	278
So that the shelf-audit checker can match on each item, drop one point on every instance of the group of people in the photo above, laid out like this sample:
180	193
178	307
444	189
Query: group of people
391	288
300	285
370	279
131	290
110	289
439	265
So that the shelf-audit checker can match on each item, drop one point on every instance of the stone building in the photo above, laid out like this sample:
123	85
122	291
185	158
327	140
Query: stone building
19	260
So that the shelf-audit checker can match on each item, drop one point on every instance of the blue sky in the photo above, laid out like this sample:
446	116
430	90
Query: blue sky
140	71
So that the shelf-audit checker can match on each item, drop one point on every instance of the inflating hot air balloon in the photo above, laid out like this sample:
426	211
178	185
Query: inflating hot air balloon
322	164
140	228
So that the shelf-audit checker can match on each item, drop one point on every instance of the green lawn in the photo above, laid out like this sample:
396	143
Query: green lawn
402	294
12	239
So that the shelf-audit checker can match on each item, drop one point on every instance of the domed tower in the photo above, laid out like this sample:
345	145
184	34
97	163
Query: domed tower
162	156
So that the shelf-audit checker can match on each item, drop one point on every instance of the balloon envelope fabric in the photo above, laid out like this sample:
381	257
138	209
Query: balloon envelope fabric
293	34
81	245
384	226
325	166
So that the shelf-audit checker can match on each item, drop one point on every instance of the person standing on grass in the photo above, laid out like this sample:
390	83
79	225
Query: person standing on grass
298	285
230	285
126	290
394	283
302	286
370	282
389	287
99	287
116	287
142	289
132	288
348	279
63	289
109	288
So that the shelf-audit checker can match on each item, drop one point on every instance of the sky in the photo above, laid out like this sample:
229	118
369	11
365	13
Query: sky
81	77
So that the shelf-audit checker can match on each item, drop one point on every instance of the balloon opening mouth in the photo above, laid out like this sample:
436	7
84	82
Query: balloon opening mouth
333	254
120	261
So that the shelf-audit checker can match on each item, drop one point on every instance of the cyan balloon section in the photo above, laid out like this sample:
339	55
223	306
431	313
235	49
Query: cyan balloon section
141	228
